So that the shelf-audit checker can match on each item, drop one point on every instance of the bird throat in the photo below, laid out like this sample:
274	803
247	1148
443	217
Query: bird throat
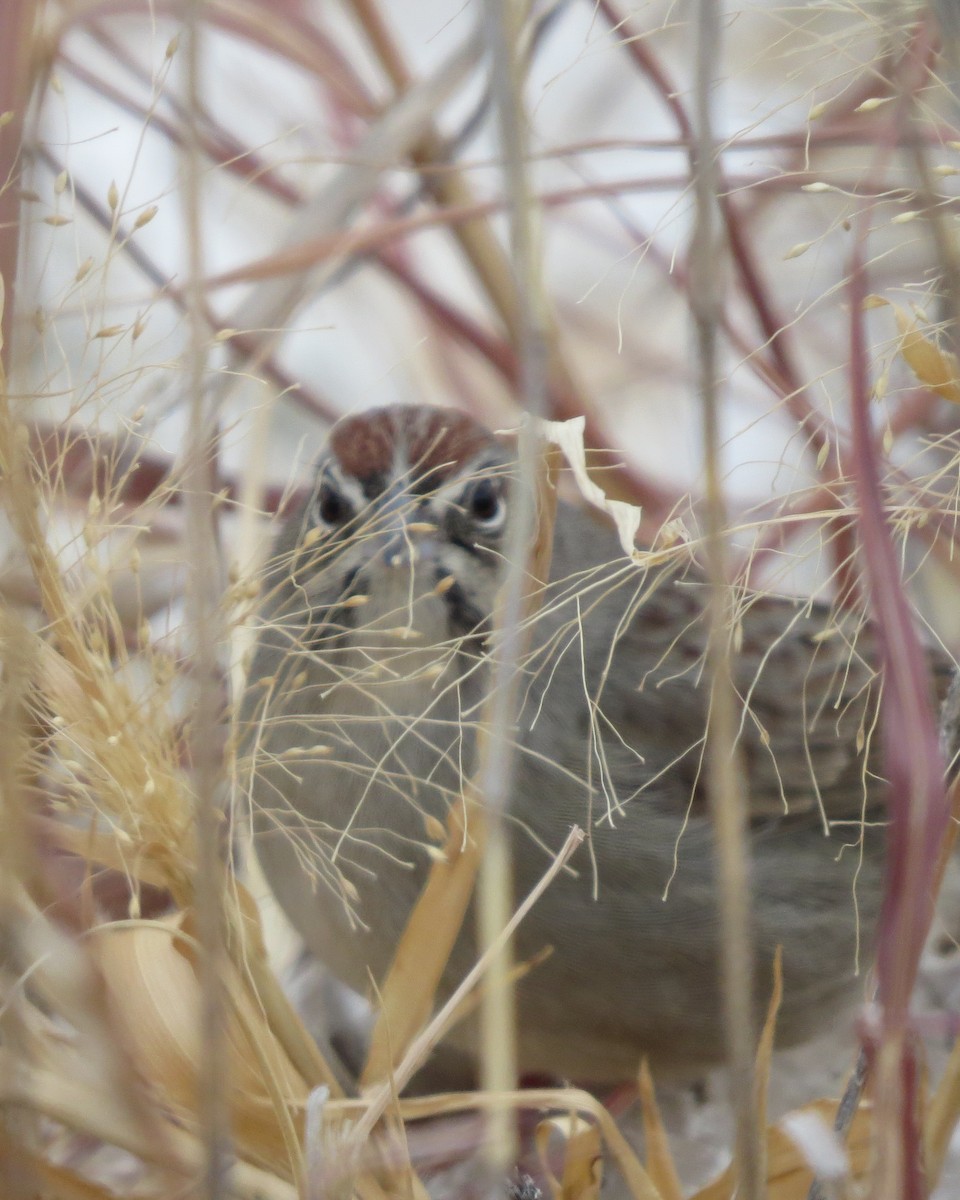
400	641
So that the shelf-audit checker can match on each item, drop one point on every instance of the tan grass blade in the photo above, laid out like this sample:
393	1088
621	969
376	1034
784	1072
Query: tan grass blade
660	1164
761	1077
155	995
639	1183
409	989
941	1116
267	310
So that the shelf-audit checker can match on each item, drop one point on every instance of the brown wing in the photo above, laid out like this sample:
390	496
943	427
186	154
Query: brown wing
806	675
807	690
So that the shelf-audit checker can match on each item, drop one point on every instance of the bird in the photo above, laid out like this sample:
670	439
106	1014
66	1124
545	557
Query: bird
359	725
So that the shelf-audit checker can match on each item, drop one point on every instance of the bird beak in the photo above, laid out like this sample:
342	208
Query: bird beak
408	543
401	538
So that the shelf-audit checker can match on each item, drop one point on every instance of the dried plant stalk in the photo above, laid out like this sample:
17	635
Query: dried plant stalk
205	628
726	780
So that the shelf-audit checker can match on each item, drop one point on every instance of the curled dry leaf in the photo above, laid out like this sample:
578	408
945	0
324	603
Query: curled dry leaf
149	964
937	369
581	1174
567	436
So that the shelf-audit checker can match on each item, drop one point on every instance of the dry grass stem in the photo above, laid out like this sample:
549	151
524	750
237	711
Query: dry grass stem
726	781
496	757
206	632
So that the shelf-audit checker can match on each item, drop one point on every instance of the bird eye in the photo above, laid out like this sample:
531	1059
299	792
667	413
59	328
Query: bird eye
486	505
332	507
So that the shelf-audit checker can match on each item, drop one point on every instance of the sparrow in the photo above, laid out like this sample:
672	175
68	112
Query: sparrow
359	727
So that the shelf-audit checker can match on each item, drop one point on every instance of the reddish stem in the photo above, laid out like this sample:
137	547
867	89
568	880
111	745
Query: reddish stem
918	812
